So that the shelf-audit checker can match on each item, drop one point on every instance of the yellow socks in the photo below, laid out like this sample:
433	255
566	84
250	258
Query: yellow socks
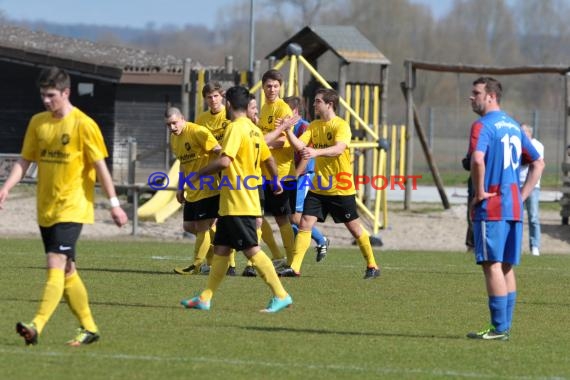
302	243
288	238
267	272
233	258
201	247
217	273
53	291
78	301
269	239
363	242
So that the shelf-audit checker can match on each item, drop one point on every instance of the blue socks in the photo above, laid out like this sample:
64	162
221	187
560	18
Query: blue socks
317	236
499	317
511	301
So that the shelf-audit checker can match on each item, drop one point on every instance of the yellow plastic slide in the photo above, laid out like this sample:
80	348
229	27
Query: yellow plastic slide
163	203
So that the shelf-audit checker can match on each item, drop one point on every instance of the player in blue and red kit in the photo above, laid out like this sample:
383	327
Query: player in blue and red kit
497	149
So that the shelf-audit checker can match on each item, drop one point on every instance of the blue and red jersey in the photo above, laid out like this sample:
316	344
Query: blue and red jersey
298	130
506	148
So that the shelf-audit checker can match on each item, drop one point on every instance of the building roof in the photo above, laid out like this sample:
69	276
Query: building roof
346	42
107	62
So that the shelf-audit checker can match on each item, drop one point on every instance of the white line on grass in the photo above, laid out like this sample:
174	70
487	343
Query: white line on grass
250	363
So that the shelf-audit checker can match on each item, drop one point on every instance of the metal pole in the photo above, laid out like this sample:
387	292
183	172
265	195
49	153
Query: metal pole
251	36
185	99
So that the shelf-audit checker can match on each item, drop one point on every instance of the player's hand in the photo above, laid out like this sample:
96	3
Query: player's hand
3	197
277	188
180	196
308	152
119	216
478	198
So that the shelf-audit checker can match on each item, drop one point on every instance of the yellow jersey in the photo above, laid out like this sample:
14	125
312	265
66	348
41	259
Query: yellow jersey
64	150
285	156
244	144
216	123
333	175
193	148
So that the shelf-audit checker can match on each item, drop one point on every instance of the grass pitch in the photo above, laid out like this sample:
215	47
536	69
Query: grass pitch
409	323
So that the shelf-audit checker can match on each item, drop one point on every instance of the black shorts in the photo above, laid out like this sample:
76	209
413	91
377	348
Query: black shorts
203	209
238	232
341	207
282	204
61	238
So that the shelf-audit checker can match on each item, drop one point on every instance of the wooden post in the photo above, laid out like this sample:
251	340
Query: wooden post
185	95
429	158
408	87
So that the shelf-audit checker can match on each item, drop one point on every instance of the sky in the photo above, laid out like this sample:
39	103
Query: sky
135	13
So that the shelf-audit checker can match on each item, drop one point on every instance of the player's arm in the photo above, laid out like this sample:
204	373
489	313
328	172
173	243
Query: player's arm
535	170
272	169
117	213
16	174
217	165
478	177
332	151
301	166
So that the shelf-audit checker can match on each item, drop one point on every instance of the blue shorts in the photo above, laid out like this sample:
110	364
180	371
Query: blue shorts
498	241
302	190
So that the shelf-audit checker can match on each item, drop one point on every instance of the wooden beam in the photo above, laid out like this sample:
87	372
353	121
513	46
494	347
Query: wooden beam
495	70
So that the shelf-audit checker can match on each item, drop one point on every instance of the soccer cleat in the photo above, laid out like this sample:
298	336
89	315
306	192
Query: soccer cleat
205	269
288	272
83	337
279	263
231	271
322	250
276	304
28	331
195	303
188	270
249	271
489	334
371	273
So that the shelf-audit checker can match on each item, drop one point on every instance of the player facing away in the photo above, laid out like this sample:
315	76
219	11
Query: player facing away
498	148
70	153
327	139
239	219
194	146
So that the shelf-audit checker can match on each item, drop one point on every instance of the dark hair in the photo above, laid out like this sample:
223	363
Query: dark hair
272	74
211	87
294	102
238	98
329	96
491	86
54	77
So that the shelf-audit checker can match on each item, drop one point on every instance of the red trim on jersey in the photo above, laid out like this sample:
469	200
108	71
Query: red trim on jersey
474	136
494	210
516	201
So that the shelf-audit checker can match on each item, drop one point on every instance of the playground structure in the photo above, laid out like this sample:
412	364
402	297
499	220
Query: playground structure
412	122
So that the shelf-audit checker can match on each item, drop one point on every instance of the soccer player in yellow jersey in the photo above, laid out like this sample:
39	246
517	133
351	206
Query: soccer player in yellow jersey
215	119
273	110
70	153
327	139
194	146
239	216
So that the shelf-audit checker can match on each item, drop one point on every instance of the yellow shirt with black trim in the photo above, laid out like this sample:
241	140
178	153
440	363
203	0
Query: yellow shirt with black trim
333	175
216	123
65	151
244	145
193	148
285	156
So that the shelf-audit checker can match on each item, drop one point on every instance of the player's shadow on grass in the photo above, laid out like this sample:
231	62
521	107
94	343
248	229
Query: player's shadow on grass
354	333
112	270
100	303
